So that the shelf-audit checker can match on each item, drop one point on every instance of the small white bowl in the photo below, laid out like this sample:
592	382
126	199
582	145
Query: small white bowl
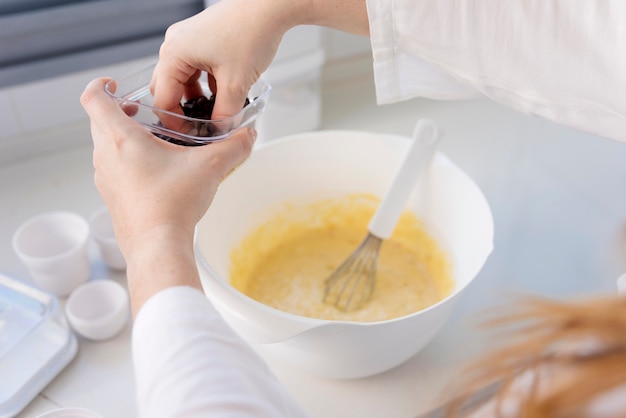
98	310
53	246
102	233
70	413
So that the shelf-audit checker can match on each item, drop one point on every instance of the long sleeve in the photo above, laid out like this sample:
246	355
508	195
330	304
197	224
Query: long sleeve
189	363
564	60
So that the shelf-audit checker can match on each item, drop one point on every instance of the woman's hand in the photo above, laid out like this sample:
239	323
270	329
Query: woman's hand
234	42
149	183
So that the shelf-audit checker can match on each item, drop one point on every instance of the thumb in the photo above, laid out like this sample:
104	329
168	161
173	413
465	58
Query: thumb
99	105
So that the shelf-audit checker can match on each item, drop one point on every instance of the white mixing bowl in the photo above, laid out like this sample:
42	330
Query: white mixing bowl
308	167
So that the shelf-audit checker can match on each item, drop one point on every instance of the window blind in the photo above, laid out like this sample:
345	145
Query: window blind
47	38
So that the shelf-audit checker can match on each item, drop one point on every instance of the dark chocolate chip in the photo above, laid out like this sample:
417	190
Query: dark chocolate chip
197	108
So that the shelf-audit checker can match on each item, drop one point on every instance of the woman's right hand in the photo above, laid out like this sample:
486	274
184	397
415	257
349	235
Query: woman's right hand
234	41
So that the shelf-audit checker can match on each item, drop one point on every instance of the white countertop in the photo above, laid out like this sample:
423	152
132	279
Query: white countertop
560	220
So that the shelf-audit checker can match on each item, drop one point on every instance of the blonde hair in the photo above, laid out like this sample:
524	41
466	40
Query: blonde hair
573	351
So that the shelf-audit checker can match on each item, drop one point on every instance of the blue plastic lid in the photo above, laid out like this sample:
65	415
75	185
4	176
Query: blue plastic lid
35	343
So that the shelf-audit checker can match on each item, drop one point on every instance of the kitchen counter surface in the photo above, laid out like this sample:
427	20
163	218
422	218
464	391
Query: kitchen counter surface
560	220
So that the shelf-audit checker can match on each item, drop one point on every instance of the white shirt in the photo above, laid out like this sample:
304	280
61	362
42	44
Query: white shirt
189	363
564	60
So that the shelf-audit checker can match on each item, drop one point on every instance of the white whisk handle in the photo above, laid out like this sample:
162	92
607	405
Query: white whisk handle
424	142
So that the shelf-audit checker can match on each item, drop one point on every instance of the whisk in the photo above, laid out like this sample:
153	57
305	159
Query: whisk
351	285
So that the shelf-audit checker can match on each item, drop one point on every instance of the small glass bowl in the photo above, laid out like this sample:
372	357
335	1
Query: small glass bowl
133	94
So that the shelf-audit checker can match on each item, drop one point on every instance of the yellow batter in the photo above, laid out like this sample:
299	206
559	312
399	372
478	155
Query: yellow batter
285	261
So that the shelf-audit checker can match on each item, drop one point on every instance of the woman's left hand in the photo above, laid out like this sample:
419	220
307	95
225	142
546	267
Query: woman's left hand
147	182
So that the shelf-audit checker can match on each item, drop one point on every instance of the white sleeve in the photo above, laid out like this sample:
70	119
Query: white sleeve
189	363
564	60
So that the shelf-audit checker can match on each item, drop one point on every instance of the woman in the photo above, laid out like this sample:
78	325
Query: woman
558	59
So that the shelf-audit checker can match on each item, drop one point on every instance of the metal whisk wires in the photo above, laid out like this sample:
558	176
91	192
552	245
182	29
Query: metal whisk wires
351	285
